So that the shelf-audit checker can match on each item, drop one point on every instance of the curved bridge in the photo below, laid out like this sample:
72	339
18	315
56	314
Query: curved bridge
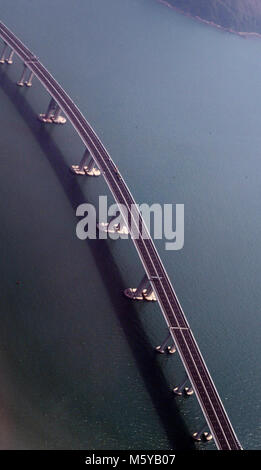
156	276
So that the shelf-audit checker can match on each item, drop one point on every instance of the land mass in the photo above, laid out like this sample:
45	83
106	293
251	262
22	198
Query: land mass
233	15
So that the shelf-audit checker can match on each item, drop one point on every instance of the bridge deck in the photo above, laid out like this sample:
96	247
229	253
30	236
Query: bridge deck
209	400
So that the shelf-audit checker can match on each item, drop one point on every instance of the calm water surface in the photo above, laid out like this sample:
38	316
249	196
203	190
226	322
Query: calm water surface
177	104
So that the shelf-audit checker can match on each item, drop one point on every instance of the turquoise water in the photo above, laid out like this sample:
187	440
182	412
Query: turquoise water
177	105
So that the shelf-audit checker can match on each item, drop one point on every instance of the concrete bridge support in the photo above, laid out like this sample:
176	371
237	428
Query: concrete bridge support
86	169
51	109
172	349
57	115
29	81
110	227
183	388
2	58
21	82
52	114
162	348
202	435
49	113
91	167
143	291
9	59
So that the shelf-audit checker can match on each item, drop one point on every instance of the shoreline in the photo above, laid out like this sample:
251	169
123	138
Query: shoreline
242	34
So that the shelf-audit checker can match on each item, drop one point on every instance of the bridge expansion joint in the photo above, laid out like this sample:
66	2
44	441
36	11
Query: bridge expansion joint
179	328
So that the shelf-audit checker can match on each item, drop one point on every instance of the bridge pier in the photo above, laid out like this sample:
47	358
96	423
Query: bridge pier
183	387
51	109
143	291
161	348
202	435
52	114
149	294
80	169
110	227
29	81
57	118
2	58
92	170
83	169
9	60
49	113
172	349
22	79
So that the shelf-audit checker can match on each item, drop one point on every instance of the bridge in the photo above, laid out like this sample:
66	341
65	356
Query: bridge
156	284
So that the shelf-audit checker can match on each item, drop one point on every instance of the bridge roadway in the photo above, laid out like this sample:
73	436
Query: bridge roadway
196	369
